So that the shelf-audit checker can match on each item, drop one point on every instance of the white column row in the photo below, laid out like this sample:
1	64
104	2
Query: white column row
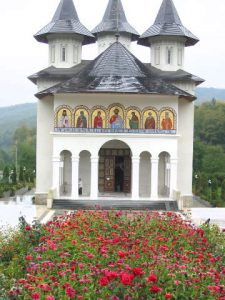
135	177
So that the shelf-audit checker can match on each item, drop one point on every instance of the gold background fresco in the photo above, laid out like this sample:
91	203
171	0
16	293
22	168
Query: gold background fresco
125	114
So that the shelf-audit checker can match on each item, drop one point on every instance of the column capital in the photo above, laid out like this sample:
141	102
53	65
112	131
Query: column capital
56	159
173	160
135	158
154	159
75	158
94	159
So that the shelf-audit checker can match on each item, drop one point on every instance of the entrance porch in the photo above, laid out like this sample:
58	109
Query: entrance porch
115	174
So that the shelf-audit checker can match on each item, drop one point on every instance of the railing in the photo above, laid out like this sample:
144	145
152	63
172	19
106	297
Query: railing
111	130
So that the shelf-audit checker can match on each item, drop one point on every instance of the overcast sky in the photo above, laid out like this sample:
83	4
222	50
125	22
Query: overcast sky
21	55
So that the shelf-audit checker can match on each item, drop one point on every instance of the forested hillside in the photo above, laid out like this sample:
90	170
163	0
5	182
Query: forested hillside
17	125
207	94
209	152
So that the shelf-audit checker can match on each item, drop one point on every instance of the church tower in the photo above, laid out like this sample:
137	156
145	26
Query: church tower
65	36
114	26
167	38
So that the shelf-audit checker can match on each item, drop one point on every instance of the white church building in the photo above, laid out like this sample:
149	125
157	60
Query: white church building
121	126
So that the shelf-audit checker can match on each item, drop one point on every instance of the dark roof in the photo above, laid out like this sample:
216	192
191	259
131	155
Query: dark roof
58	73
167	23
179	75
115	17
65	20
116	70
63	74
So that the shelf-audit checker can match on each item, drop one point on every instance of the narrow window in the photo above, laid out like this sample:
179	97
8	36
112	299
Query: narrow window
179	57
75	54
169	56
157	55
63	53
52	54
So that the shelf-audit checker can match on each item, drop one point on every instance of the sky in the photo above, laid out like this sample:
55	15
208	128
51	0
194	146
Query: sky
21	55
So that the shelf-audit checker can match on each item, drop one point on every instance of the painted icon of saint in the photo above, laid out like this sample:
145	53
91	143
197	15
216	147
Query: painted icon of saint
167	123
150	121
98	120
116	121
64	120
81	120
134	121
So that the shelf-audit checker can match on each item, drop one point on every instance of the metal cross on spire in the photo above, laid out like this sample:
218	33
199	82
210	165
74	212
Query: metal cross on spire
117	35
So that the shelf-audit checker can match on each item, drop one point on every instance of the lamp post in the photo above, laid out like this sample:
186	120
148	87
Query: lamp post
195	182
24	170
210	189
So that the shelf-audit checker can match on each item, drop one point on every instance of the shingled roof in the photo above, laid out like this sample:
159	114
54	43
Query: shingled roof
116	70
167	23
65	20
115	20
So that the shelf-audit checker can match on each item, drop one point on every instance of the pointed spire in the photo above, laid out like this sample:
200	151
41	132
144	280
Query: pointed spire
115	20
65	20
167	23
168	14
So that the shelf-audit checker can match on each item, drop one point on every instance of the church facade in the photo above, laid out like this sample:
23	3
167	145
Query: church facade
122	127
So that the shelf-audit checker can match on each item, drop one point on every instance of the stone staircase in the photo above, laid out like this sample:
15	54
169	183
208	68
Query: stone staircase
114	204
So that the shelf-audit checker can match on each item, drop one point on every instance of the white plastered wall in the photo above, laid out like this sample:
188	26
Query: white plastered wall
73	50
178	146
185	146
104	40
44	148
159	49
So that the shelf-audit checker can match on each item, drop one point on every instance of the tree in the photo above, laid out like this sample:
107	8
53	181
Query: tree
223	191
6	174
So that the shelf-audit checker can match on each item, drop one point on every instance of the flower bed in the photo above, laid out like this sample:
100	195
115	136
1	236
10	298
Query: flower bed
115	255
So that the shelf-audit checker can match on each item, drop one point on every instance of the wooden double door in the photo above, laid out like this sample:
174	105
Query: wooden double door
115	171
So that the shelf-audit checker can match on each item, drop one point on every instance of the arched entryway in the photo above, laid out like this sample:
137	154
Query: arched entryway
164	174
115	168
65	173
145	174
85	172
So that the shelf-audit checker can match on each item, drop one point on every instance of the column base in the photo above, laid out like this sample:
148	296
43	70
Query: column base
40	198
187	200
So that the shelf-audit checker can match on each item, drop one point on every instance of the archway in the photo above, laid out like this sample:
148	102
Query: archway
85	172
115	168
145	174
65	173
164	174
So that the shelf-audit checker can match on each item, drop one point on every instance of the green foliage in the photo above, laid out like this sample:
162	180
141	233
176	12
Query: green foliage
209	151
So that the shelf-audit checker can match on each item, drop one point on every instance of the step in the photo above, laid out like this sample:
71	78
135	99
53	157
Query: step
119	204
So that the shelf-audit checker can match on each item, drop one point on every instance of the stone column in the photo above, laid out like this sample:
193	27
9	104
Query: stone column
55	175
135	177
173	176
154	178
75	175
94	177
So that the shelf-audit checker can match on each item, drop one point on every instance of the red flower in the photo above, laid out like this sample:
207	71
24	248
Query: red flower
155	289
103	281
122	254
49	297
168	296
138	271
126	278
152	278
35	296
70	292
29	257
111	275
28	228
